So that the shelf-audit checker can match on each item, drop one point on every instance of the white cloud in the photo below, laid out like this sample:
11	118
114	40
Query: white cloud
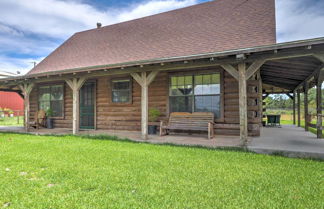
35	28
299	19
60	19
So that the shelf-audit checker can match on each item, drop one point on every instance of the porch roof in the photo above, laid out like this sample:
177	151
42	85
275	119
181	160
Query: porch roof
286	65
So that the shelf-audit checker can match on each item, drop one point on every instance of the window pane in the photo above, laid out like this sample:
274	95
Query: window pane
121	91
44	105
208	104
44	93
173	81
174	91
57	108
216	78
198	79
57	92
207	84
206	79
51	97
215	88
180	81
121	85
120	96
188	80
185	90
181	104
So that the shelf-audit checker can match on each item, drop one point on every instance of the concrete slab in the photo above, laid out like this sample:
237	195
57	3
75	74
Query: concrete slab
288	140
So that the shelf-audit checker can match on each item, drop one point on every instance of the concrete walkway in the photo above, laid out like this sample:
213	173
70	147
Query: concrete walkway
288	140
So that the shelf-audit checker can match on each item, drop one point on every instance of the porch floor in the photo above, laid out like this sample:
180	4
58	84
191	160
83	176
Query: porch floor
288	140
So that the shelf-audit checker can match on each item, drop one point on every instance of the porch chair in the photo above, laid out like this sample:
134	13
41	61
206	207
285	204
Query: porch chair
39	119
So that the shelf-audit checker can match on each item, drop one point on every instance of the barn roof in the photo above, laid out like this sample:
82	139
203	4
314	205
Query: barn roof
214	26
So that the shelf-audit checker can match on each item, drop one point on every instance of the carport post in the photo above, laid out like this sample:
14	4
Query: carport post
319	125
306	105
294	107
298	107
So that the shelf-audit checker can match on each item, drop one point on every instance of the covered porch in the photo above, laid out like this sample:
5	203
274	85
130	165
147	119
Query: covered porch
253	73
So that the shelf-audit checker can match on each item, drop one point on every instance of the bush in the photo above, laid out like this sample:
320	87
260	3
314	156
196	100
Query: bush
154	114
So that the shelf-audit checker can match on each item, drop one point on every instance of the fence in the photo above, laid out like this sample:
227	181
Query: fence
11	117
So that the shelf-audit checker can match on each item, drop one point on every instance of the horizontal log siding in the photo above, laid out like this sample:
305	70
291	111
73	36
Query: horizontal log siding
128	116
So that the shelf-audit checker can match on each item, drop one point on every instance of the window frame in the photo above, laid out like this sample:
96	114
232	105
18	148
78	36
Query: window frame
130	90
195	73
63	97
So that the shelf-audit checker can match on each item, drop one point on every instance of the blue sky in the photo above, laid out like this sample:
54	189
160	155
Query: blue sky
30	30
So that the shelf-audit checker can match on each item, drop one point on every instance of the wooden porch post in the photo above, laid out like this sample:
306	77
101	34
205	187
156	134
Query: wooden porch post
294	107
306	105
319	125
144	81
26	88
76	84
242	74
243	103
298	107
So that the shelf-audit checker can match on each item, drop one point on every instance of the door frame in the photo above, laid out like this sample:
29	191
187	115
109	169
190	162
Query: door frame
94	81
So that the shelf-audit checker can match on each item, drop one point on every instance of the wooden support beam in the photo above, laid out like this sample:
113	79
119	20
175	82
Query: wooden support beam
26	89
319	126
75	85
144	81
290	96
306	105
315	72
243	103
260	98
255	66
231	70
298	107
294	107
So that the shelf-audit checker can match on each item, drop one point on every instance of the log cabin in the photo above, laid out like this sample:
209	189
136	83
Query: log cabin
219	57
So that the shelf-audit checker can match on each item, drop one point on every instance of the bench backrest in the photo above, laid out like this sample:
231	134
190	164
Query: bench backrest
186	120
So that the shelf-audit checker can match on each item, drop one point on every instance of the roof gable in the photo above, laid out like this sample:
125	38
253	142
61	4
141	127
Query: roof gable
209	27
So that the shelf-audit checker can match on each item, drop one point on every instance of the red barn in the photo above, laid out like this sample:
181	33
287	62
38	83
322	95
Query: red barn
12	101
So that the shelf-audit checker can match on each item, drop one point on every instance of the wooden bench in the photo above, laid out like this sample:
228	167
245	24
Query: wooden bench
197	121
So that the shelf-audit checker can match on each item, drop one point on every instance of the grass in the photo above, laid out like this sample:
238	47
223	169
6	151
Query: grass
12	121
79	172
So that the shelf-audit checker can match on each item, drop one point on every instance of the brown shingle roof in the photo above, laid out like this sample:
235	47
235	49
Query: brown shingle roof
209	27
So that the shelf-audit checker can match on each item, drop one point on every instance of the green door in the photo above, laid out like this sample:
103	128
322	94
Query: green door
87	106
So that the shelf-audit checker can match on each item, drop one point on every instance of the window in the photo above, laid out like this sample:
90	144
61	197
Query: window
195	93
51	97
121	91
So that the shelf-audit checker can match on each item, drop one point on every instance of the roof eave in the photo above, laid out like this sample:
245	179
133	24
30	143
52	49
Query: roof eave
265	48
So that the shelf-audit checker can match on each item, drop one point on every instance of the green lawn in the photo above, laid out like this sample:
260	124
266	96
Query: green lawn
75	172
12	121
